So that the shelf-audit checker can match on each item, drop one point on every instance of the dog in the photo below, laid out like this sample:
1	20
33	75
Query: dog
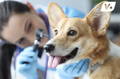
75	39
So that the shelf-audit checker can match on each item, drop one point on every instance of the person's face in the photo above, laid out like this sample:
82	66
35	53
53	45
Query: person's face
21	28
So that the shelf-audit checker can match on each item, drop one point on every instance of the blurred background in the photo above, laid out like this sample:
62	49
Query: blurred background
85	6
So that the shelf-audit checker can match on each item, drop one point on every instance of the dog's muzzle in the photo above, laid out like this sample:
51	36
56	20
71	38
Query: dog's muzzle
71	55
56	60
49	48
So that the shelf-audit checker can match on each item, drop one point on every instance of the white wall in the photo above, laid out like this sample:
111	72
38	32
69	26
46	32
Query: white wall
83	5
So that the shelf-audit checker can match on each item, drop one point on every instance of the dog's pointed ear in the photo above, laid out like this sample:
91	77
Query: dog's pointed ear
55	14
98	20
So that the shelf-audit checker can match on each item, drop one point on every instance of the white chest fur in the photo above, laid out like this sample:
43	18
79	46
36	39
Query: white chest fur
86	76
114	50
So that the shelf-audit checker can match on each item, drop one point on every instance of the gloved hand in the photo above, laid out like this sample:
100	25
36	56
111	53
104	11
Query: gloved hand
26	63
75	69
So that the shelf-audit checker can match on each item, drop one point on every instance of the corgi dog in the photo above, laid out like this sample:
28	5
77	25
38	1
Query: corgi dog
75	39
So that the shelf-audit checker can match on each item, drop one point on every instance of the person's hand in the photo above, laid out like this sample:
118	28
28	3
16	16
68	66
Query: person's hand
75	69
26	64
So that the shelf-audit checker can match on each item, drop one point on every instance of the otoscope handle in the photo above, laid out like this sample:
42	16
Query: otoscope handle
35	48
39	35
36	45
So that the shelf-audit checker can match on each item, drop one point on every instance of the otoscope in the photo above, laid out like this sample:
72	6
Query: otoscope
39	35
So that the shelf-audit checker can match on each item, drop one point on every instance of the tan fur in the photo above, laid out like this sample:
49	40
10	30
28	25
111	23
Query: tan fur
91	37
109	70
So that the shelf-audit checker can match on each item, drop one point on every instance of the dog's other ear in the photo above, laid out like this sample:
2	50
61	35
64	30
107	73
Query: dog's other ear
55	14
98	20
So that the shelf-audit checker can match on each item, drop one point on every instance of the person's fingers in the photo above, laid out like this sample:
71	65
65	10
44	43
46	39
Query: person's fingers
78	65
24	64
84	67
75	66
28	49
24	67
74	69
28	53
81	64
20	60
68	68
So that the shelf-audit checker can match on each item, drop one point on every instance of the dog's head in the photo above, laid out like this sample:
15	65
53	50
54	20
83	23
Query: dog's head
75	38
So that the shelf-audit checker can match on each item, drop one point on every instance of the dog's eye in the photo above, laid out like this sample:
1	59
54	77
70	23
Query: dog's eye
72	33
56	31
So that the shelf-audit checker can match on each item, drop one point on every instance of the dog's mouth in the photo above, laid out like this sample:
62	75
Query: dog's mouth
56	60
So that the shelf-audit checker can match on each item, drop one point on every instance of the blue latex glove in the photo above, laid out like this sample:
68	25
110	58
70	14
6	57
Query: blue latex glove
76	69
72	12
27	70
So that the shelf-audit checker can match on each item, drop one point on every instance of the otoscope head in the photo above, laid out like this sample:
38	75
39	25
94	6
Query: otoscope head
39	34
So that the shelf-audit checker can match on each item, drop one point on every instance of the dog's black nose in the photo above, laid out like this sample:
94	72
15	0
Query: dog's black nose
49	48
